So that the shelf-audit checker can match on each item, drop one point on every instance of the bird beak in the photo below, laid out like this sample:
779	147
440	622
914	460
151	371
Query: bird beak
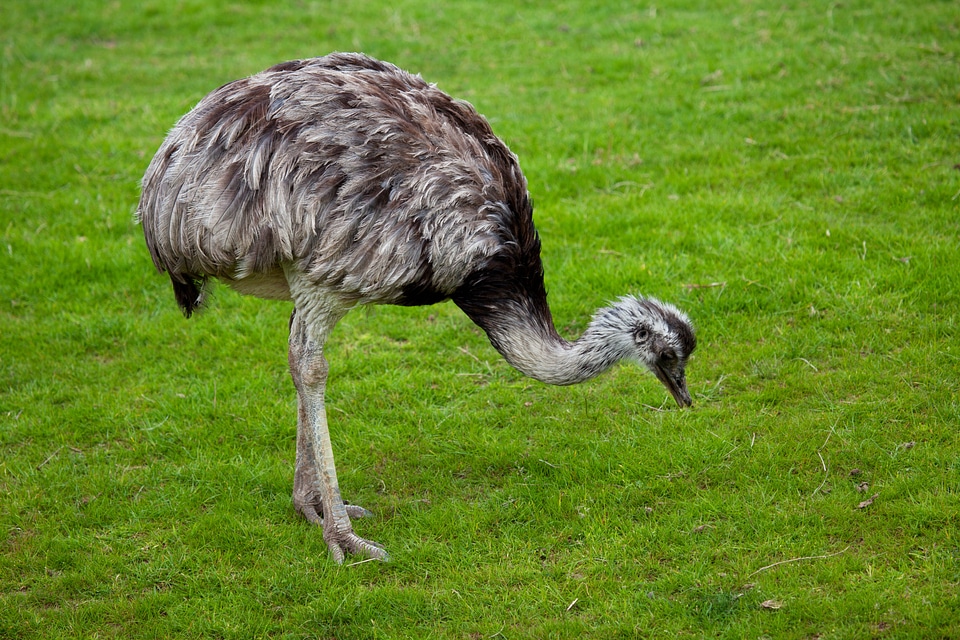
676	384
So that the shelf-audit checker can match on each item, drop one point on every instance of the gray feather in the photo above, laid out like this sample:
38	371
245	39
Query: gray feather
343	180
348	169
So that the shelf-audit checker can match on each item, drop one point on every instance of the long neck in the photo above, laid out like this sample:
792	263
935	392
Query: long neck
531	344
508	300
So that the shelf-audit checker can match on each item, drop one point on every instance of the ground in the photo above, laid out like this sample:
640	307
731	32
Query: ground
787	174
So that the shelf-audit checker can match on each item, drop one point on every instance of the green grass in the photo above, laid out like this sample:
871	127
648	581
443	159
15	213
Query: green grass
801	156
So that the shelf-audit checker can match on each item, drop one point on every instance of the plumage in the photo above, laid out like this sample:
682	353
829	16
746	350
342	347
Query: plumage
340	181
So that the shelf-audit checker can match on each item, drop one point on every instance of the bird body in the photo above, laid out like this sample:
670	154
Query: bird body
341	181
371	182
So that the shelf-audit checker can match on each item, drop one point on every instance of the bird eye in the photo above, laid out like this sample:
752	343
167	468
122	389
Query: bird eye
642	334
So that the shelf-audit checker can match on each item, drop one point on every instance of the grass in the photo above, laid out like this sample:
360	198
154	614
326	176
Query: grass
786	173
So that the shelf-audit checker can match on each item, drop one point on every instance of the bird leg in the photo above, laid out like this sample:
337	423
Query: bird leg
306	480
316	493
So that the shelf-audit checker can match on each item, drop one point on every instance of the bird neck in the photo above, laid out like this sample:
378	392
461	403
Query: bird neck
536	349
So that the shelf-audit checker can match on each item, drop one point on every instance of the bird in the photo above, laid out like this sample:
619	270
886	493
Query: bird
341	181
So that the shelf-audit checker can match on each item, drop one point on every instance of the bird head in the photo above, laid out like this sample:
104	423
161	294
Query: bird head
657	335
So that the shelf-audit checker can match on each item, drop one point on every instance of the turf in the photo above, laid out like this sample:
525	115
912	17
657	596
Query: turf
785	173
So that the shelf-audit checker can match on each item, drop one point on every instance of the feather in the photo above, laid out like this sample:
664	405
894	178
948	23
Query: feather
343	180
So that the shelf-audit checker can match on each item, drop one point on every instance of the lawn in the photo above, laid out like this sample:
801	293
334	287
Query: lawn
786	173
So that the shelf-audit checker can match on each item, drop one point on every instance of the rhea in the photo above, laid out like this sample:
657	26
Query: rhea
341	181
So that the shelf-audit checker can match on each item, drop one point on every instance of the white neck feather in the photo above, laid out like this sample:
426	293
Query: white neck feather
544	355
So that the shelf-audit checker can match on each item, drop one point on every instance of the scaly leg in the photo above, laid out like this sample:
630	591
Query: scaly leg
306	480
316	493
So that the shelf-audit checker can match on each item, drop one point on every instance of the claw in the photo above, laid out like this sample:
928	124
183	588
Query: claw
352	543
359	546
340	541
356	511
336	552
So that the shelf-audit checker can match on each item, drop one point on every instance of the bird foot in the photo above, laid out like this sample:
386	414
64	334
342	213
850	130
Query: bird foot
348	542
339	536
312	510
